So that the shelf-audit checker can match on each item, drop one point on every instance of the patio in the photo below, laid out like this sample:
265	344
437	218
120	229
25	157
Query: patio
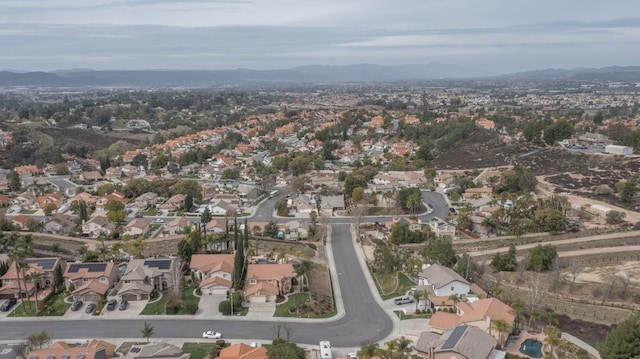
513	347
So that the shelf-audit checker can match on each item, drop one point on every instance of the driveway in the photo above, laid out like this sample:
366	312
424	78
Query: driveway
208	305
132	311
261	311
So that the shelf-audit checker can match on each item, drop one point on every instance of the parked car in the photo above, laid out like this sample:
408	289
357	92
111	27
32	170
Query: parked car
90	308
111	305
76	305
123	305
404	300
8	304
210	334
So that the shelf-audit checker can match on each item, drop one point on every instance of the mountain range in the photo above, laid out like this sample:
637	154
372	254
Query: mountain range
298	75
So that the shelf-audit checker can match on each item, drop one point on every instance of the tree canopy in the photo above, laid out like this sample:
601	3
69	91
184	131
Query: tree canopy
623	341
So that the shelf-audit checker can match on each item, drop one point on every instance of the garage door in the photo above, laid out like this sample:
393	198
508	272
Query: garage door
258	299
92	298
129	297
217	291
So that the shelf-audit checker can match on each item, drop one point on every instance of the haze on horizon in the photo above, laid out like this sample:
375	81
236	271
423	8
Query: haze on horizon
490	36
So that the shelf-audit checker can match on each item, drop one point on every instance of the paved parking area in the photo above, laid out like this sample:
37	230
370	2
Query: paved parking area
132	311
7	351
208	305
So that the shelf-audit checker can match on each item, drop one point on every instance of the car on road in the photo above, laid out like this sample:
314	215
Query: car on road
8	304
123	305
111	305
90	308
453	210
210	334
158	220
404	300
76	305
352	356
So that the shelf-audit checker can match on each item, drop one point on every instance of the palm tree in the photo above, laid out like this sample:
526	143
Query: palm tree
302	269
417	295
404	346
16	256
533	316
35	278
391	346
552	336
368	350
501	326
147	331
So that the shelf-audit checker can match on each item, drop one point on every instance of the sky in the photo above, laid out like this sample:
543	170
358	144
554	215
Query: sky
488	36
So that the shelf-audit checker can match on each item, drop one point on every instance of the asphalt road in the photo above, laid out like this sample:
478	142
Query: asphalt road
364	320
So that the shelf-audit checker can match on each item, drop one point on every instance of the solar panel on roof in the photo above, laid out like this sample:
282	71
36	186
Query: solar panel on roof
91	267
43	263
160	264
454	337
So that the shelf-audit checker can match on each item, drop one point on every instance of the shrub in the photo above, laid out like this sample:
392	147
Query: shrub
224	307
604	190
191	308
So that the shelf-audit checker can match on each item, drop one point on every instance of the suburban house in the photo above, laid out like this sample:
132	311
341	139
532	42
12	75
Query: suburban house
90	281
155	351
243	351
90	176
145	200
173	204
138	227
481	313
45	266
97	226
23	222
303	204
214	271
49	198
264	282
461	342
176	226
93	349
222	208
442	228
143	276
60	224
442	281
111	197
330	204
478	192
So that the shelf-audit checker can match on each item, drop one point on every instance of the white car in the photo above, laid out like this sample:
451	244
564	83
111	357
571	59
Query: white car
352	355
210	334
158	220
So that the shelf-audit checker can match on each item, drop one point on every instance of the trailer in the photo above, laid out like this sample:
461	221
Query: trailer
325	350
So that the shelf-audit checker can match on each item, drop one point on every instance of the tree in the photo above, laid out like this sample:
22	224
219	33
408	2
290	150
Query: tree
541	257
206	216
357	194
368	350
440	250
49	208
404	346
270	230
501	326
38	340
302	269
623	341
117	216
61	169
506	262
34	278
552	339
147	331
281	349
188	202
628	189
615	217
14	181
188	186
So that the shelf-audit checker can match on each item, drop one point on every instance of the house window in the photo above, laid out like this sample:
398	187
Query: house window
452	288
252	281
103	279
269	280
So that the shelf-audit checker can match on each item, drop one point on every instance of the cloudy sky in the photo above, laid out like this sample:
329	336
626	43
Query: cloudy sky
497	36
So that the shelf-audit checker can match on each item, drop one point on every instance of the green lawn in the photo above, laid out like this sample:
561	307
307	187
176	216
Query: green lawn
197	350
282	310
158	307
29	211
151	212
392	285
57	307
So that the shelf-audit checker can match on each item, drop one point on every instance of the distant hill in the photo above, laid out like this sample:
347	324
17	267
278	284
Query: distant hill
202	78
302	75
611	73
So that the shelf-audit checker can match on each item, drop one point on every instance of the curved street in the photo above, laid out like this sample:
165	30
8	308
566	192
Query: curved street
360	315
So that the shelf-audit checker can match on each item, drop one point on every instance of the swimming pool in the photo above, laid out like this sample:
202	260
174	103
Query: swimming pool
532	348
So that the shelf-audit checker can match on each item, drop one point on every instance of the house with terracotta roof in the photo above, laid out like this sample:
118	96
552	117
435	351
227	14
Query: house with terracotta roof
174	203
90	176
214	271
242	351
461	342
49	198
176	226
265	282
93	349
138	227
90	281
45	266
481	313
23	222
60	224
155	351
